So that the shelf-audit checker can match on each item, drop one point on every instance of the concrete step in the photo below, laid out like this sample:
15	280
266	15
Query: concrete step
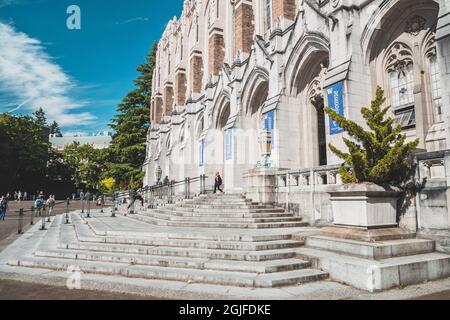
178	262
369	250
86	233
187	243
235	225
221	215
227	211
168	215
206	253
230	206
177	274
376	275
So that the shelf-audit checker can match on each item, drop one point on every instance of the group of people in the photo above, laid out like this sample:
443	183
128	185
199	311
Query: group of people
41	203
17	196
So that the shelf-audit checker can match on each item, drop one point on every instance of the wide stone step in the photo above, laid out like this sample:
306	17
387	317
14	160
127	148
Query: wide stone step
142	248
177	274
376	250
179	262
167	215
217	254
85	233
376	275
227	211
221	206
237	225
227	214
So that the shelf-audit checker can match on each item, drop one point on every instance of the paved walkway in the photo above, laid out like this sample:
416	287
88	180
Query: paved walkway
17	290
11	223
43	280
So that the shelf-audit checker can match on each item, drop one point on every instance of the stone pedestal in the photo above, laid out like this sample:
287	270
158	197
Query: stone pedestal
364	205
260	185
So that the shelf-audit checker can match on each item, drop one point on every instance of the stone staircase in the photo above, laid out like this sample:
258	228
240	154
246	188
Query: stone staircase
220	211
223	240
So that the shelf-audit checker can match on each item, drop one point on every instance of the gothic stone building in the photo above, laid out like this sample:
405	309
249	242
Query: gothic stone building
226	69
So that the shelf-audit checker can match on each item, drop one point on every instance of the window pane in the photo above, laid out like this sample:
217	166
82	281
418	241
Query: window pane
402	86
436	89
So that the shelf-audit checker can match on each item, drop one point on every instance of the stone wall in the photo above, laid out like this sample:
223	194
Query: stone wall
216	52
180	88
284	8
244	26
196	73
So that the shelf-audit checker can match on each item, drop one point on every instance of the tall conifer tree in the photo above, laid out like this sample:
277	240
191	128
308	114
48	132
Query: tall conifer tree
379	155
131	125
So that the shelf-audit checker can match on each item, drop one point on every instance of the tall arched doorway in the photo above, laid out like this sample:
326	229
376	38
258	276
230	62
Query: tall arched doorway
309	85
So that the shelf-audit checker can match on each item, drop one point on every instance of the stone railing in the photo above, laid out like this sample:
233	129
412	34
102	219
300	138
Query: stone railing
318	176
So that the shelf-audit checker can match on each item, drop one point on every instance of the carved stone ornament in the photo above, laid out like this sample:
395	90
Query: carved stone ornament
335	3
415	25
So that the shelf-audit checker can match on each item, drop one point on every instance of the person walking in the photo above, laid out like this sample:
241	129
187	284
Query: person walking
39	204
217	183
3	207
25	196
51	204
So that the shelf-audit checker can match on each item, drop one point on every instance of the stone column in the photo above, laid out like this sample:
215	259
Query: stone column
168	99
244	26
196	72
158	112
180	87
443	51
216	51
284	8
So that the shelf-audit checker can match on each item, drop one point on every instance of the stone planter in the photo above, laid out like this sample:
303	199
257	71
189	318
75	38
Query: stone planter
364	205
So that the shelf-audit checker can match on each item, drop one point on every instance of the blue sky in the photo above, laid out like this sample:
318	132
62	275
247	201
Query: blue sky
77	76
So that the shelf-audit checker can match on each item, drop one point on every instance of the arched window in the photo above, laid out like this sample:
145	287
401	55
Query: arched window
436	91
400	68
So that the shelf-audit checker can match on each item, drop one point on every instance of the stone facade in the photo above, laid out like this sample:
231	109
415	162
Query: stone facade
248	65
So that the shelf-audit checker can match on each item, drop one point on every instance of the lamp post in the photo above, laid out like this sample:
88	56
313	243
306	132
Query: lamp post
88	198
67	210
265	149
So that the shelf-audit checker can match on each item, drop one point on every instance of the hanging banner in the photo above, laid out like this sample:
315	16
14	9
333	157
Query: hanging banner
269	124
201	156
336	103
229	144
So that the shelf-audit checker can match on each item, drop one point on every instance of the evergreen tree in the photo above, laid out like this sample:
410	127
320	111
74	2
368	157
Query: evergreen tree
379	155
40	117
54	129
131	124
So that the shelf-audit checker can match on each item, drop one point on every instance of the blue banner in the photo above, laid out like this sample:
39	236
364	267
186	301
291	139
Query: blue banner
269	125
201	156
229	144
336	103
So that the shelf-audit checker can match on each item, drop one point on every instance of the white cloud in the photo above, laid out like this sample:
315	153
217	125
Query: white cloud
28	73
133	20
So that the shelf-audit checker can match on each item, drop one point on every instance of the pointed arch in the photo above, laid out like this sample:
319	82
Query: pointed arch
255	90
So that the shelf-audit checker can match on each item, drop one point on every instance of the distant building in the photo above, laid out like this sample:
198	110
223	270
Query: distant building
98	141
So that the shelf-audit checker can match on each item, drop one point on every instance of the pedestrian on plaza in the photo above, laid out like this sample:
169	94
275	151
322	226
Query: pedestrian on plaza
19	196
217	183
81	195
3	207
25	196
51	204
39	204
15	195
